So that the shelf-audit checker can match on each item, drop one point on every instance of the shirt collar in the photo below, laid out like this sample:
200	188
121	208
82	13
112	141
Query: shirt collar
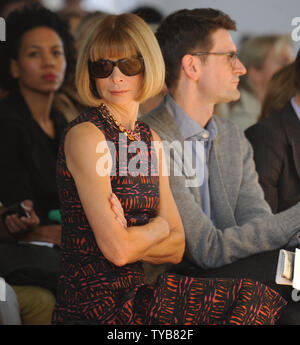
188	128
296	107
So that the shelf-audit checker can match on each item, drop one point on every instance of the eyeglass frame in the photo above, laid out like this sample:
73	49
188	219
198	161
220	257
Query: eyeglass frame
233	55
116	64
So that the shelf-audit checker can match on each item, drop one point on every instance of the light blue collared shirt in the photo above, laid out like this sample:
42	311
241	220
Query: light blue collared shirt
191	131
296	107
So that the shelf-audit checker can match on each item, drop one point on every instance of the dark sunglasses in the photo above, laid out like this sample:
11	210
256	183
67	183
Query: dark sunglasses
103	68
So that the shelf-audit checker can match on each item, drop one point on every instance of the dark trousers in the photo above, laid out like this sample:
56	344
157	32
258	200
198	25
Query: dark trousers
260	267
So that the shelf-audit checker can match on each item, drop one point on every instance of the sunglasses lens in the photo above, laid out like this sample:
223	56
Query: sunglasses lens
101	68
131	67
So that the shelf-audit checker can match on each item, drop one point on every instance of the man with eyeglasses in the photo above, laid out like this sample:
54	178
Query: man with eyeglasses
230	229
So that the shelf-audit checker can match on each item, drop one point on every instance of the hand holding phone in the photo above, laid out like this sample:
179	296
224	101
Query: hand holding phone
17	209
20	218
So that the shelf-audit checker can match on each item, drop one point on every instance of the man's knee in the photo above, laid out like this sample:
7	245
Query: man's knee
36	304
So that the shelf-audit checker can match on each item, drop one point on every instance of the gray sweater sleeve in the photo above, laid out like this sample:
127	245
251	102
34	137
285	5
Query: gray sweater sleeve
256	229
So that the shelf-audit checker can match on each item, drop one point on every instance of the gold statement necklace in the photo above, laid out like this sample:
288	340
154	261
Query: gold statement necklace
132	135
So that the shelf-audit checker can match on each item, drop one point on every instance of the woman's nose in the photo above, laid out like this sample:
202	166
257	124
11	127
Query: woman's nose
48	59
117	75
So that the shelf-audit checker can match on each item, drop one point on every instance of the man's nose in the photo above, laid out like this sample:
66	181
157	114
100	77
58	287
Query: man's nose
239	67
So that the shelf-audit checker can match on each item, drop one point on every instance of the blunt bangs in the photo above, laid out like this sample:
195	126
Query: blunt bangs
112	44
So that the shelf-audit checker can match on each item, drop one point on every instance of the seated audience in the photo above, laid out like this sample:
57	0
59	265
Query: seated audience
25	304
34	61
262	56
281	88
73	13
276	144
117	218
153	18
229	227
8	6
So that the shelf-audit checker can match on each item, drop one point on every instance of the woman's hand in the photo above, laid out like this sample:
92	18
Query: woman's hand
162	224
118	210
17	225
119	214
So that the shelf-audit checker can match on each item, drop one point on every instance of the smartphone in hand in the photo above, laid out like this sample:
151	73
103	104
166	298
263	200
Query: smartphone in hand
18	209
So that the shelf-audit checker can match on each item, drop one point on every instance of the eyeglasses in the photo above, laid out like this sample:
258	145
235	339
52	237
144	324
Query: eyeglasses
103	68
232	55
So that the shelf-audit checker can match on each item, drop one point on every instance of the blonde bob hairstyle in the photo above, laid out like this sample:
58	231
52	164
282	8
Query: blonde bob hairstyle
120	36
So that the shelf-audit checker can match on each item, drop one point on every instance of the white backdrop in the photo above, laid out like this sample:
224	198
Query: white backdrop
251	16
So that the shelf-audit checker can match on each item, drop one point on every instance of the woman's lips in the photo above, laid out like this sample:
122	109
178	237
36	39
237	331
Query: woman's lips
49	77
118	92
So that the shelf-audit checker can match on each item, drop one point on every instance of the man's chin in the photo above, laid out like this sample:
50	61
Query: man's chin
233	98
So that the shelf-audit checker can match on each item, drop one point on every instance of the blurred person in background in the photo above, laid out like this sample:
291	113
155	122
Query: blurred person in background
281	88
153	17
36	58
67	100
8	6
73	13
276	140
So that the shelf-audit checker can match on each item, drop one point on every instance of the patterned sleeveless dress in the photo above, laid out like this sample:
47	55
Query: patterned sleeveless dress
92	290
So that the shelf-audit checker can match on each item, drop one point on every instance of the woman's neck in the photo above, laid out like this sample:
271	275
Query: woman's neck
39	104
125	114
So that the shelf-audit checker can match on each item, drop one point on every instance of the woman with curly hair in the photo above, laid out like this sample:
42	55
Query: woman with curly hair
35	60
37	57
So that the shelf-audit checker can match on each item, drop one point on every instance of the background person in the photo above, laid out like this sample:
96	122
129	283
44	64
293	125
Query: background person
35	59
281	88
25	304
276	146
67	100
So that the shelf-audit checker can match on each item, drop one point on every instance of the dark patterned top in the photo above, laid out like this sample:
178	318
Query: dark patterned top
93	290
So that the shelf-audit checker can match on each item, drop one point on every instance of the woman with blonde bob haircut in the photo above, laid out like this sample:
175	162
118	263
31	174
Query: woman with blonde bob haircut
114	219
121	36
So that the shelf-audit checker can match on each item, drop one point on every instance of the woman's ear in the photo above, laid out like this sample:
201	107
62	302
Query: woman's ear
191	66
14	69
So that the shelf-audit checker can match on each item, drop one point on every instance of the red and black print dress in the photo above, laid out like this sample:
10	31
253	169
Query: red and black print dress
92	290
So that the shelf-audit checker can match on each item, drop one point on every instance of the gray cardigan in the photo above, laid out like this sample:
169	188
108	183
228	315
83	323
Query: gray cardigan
244	224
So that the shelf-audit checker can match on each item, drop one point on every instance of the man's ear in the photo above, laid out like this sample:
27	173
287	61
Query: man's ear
14	69
191	66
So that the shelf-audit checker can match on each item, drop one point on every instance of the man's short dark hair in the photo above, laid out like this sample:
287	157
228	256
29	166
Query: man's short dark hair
183	31
297	72
21	21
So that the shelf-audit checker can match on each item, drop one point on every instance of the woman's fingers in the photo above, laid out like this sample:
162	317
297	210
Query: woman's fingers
118	210
17	224
14	224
